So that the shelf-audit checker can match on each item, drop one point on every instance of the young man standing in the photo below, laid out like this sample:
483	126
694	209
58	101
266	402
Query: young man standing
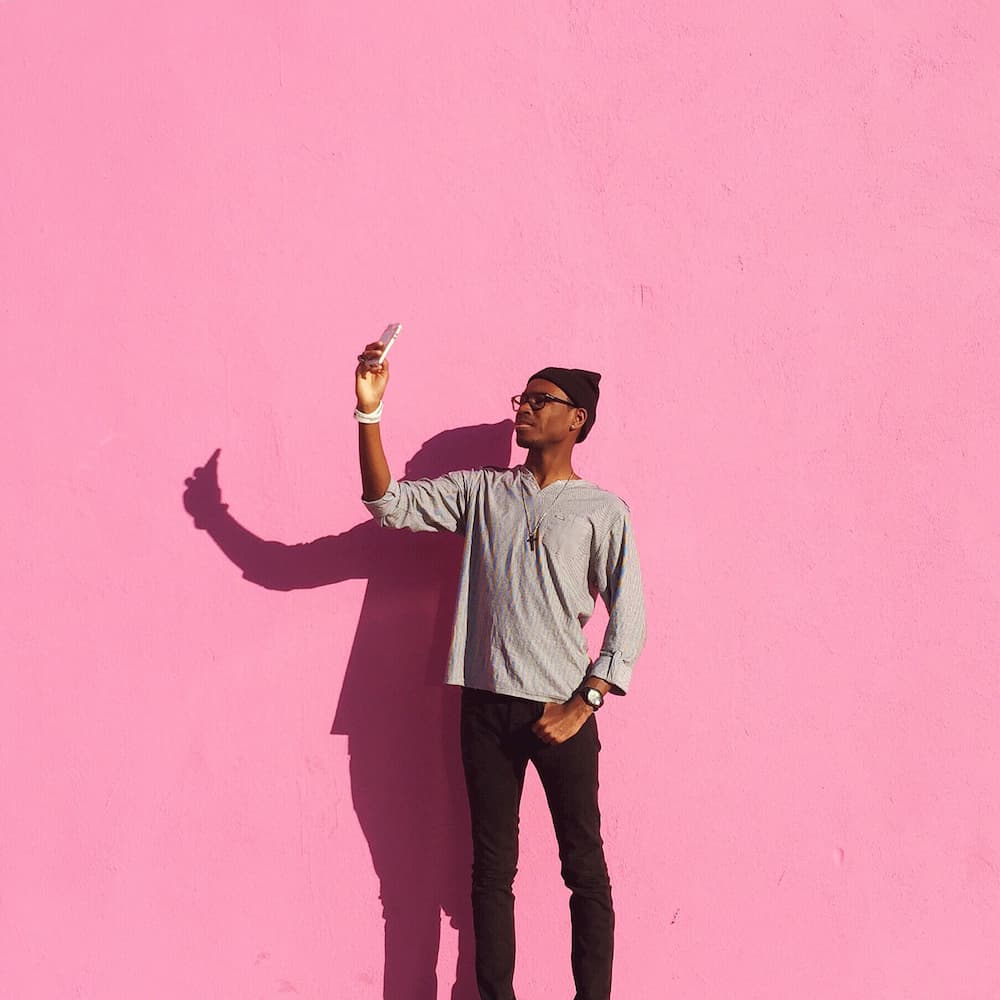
540	544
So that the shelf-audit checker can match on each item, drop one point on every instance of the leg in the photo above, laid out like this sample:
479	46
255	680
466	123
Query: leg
495	758
568	772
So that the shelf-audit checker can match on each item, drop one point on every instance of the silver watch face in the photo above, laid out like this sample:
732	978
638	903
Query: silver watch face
593	697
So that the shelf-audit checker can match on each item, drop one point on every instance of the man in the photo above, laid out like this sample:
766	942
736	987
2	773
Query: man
540	544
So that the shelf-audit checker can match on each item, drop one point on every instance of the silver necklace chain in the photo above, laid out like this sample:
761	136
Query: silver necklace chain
533	532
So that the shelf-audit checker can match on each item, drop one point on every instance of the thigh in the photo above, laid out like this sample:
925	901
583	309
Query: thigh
569	775
494	765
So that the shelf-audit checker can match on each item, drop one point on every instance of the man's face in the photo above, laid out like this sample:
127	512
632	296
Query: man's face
553	423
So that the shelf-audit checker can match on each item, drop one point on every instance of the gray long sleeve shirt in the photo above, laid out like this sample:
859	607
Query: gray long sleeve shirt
521	608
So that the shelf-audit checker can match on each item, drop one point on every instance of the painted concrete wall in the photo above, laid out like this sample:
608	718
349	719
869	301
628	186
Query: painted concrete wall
773	227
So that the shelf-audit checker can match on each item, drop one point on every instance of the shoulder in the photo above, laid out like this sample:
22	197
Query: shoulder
494	477
496	473
603	502
486	478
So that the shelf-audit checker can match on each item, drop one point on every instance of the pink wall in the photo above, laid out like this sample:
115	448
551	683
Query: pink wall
774	227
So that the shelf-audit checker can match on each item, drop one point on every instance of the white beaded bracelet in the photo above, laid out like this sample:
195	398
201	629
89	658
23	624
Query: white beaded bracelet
369	418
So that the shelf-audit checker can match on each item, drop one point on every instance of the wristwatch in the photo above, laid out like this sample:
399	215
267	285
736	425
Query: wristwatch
591	696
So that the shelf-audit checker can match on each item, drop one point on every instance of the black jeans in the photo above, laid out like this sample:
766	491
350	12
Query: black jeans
497	743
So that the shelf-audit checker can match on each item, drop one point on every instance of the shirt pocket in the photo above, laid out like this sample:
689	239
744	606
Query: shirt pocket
567	538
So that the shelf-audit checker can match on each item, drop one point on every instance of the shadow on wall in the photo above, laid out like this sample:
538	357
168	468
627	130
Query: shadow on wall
400	719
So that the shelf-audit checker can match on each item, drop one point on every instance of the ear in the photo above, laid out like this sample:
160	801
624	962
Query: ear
579	420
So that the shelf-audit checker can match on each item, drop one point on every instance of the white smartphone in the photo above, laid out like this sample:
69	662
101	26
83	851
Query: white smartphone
387	339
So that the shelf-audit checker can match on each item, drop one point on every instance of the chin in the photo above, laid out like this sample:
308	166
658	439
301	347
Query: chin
522	435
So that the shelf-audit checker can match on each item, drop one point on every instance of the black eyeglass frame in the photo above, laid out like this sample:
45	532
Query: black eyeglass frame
518	401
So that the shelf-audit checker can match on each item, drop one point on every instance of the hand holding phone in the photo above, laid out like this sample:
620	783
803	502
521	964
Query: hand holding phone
387	339
372	373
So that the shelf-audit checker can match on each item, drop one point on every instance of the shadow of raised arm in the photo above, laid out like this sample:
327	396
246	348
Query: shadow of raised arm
271	564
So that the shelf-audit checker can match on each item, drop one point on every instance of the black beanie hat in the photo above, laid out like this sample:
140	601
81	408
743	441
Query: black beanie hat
582	388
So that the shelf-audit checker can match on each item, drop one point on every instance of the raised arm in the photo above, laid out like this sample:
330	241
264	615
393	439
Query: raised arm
422	505
370	386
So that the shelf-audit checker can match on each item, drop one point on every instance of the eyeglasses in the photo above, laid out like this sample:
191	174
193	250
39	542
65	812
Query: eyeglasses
536	400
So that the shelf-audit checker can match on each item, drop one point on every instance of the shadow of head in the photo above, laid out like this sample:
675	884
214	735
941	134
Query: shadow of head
478	446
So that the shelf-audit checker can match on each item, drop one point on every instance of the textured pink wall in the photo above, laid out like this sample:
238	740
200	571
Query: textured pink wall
774	227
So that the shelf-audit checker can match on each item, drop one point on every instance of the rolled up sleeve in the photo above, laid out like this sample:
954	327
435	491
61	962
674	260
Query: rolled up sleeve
618	578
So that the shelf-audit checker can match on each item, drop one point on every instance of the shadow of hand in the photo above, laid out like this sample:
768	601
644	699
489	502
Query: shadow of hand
203	497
